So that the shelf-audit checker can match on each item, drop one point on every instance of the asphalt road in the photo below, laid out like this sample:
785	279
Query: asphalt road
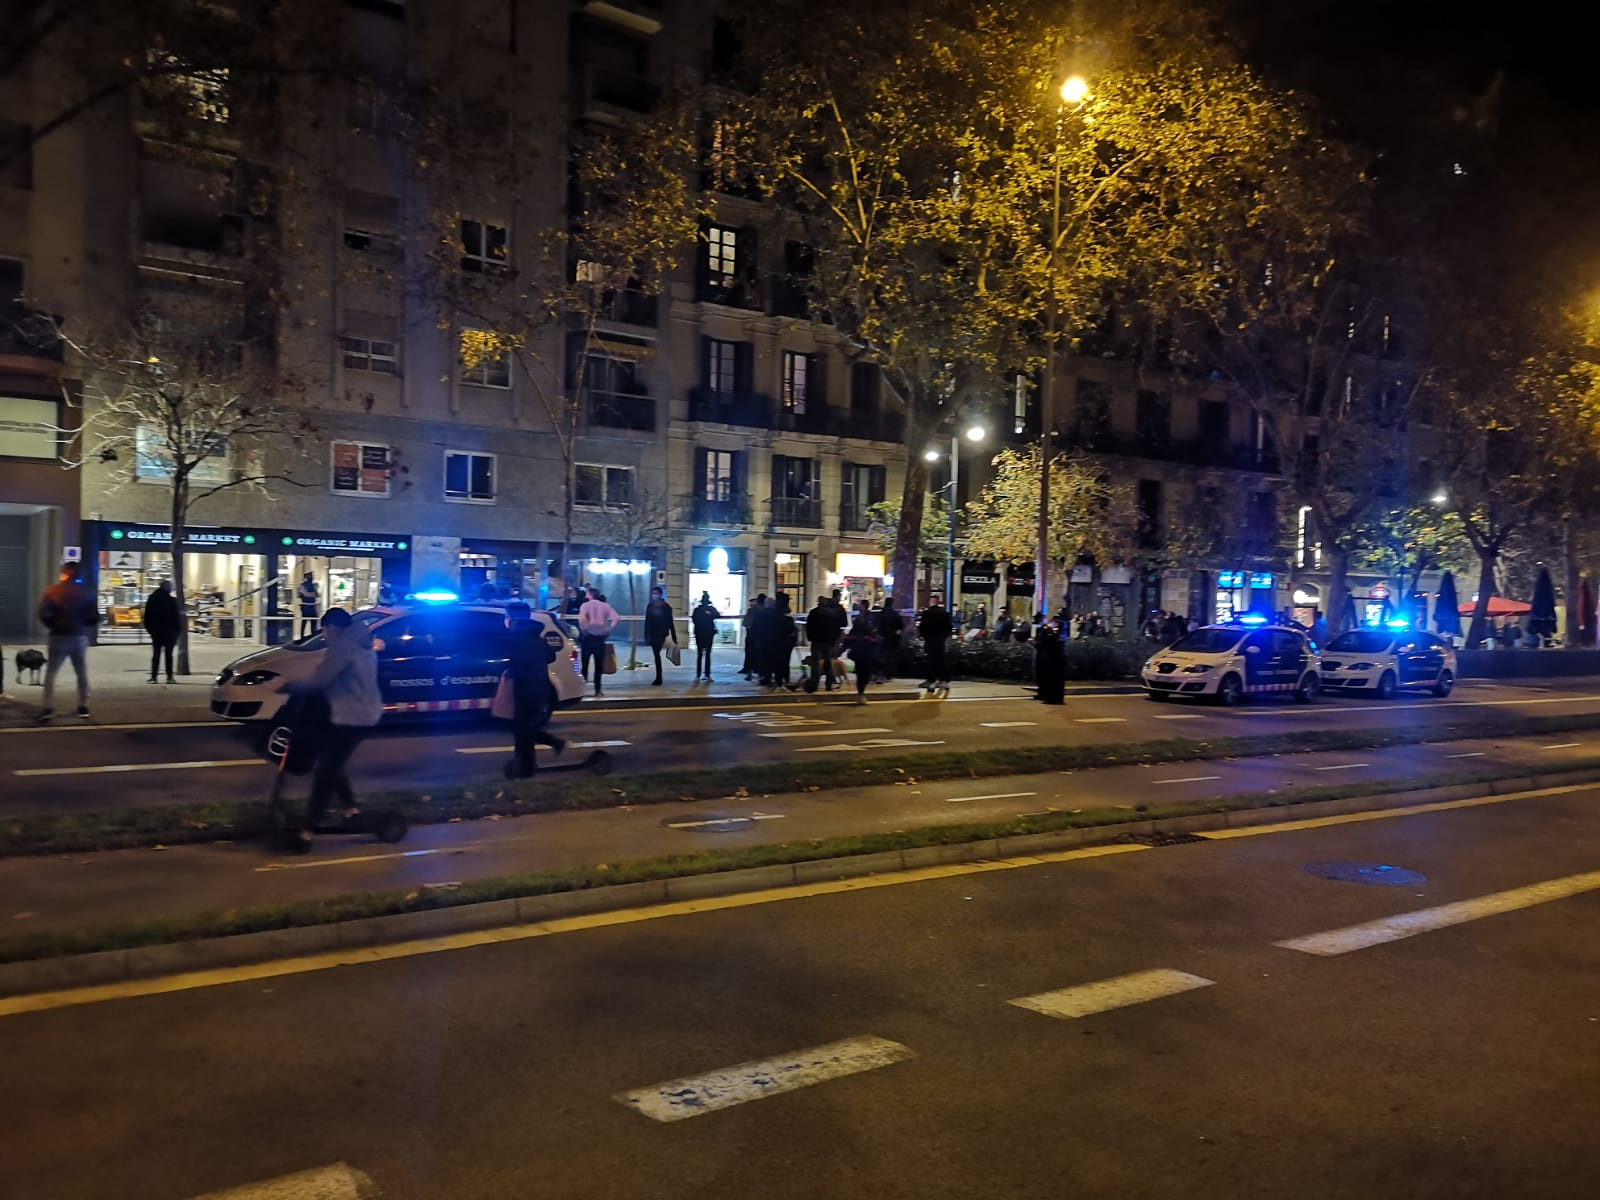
89	767
1463	1061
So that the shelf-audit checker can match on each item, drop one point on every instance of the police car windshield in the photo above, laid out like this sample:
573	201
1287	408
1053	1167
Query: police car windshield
1360	641
319	640
1209	641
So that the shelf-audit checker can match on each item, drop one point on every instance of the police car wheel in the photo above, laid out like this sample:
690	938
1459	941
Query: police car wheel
1309	689
1230	691
1446	682
1385	688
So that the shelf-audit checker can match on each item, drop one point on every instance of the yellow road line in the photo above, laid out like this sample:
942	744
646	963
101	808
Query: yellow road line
1384	813
305	964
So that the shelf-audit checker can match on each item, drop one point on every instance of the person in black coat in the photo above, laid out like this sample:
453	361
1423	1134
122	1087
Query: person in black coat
163	622
704	619
862	643
783	636
1049	662
528	659
935	627
822	634
659	626
891	629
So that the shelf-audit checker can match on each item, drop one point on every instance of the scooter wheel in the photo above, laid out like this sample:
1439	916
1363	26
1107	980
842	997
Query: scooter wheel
391	827
599	762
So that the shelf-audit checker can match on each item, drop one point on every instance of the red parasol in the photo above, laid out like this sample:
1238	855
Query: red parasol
1499	606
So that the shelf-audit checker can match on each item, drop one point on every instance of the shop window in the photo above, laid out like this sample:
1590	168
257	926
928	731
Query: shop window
469	477
485	360
371	354
484	247
359	469
600	486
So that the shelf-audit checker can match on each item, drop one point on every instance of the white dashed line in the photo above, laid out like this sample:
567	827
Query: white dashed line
355	858
1342	767
695	1095
1471	754
824	733
1562	746
1425	920
1086	999
996	796
1100	720
869	744
127	768
509	749
337	1182
1006	724
1189	779
1181	717
723	822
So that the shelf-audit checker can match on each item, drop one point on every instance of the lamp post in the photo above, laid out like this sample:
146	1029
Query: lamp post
975	433
1074	92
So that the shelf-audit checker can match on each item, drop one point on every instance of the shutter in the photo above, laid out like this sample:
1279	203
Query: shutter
700	487
847	487
816	381
705	361
875	485
740	470
780	464
749	255
744	368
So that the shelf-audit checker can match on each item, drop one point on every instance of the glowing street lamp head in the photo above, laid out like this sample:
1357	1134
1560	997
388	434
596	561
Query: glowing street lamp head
1440	498
1075	90
930	456
976	433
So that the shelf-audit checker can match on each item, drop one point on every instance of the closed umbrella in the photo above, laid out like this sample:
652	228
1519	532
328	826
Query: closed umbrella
1542	612
1586	612
1446	616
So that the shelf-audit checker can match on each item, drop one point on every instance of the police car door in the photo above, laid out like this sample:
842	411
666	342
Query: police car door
1419	658
473	659
1258	667
406	660
1289	659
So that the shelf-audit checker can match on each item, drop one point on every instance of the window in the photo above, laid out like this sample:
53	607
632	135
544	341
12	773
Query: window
153	459
469	477
359	469
1214	418
717	475
793	478
1154	419
794	382
27	428
371	354
722	365
484	247
484	360
1149	513
722	255
599	486
861	485
866	382
1092	417
202	95
723	153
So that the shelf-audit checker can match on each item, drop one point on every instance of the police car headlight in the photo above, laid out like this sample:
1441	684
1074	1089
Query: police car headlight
1197	669
252	678
1150	665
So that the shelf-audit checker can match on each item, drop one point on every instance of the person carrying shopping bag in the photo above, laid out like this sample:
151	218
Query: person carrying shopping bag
659	628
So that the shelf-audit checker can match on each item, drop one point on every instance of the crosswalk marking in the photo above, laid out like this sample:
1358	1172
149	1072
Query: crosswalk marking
695	1095
337	1182
1425	920
1086	999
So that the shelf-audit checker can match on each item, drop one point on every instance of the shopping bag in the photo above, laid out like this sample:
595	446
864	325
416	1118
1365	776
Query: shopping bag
674	655
608	664
505	699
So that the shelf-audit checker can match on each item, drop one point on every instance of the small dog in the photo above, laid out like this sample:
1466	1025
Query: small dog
31	661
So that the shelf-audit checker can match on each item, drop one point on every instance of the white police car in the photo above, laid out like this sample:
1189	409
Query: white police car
1226	663
1387	660
432	658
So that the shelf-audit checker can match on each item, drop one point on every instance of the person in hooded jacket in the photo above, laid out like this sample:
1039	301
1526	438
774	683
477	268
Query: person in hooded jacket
68	610
346	681
163	622
528	659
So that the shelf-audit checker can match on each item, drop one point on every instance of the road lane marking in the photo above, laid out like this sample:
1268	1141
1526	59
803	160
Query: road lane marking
125	768
1384	814
1189	779
355	858
1471	754
92	727
996	796
1006	724
1342	767
695	1095
1562	746
160	985
717	822
1086	999
509	749
1182	717
1350	708
338	1182
1099	720
869	744
1426	920
824	733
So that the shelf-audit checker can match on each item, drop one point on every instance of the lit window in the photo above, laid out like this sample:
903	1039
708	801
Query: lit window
485	360
469	477
371	354
359	469
202	94
794	382
722	254
721	366
484	247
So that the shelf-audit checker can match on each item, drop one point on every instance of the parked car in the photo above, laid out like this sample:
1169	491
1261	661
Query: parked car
432	658
1385	661
1226	663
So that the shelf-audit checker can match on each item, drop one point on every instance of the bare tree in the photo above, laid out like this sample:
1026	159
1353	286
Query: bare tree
636	532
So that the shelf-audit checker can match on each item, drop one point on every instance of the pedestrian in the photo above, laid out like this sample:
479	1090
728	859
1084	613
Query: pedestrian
751	624
1319	630
891	632
573	601
980	618
1049	662
935	627
528	659
958	617
783	637
861	643
596	620
704	619
1510	634
822	636
346	680
659	626
68	612
1003	626
163	622
1024	631
387	596
309	594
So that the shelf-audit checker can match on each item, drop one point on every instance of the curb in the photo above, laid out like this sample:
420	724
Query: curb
109	966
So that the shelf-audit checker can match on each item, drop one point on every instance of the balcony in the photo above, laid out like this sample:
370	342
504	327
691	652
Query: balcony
620	410
787	298
794	512
732	408
705	512
873	426
28	340
817	418
735	291
1198	452
629	307
853	519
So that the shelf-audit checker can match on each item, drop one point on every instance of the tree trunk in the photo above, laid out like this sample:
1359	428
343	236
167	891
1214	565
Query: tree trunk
633	625
180	508
1338	586
1480	614
913	501
1571	635
568	575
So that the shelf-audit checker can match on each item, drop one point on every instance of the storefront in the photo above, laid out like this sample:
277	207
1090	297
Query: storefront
860	577
240	582
979	581
1244	591
1019	591
503	569
723	574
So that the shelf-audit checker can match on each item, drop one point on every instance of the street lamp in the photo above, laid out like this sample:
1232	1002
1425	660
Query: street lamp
1074	91
975	433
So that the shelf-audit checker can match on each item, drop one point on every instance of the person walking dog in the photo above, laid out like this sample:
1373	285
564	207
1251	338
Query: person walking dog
163	622
68	611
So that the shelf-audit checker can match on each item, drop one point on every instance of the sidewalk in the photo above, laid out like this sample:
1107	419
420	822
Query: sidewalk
121	695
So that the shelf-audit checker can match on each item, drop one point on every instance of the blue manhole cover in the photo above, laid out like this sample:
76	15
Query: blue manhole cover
1354	872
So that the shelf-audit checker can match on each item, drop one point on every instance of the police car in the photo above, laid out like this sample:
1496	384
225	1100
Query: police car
1226	663
432	658
1389	659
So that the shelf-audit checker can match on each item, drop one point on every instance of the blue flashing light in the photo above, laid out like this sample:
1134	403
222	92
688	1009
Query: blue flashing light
1398	623
1252	619
435	597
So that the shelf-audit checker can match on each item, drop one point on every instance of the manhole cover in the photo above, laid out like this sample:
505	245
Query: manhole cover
1382	874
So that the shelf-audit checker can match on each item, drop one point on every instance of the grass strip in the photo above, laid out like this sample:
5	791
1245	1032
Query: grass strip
127	828
358	905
